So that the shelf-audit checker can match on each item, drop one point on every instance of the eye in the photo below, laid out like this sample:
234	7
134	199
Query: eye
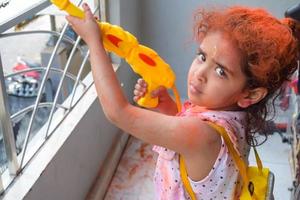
220	71
201	57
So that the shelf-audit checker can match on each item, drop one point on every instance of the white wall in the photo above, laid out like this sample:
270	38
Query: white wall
73	169
166	26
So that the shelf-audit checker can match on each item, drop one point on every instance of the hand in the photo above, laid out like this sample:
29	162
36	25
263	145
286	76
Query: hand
87	28
165	105
140	90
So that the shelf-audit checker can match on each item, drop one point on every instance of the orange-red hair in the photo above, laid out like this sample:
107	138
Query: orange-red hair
270	48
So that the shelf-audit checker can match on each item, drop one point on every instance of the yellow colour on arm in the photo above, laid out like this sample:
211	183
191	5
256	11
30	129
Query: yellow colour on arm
143	60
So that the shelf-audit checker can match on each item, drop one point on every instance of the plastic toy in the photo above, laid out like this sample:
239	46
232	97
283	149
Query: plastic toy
143	60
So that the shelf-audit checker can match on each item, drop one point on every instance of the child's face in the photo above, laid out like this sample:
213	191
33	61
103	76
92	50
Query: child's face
215	78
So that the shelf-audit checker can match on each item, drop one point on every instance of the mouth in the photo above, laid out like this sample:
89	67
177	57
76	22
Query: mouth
193	89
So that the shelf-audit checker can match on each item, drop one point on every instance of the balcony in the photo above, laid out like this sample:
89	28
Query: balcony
57	143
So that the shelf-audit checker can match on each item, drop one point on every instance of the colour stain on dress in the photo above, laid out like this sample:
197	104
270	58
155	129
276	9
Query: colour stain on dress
142	149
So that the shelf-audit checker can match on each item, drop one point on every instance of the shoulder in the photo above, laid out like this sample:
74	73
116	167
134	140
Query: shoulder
199	134
232	121
204	134
234	124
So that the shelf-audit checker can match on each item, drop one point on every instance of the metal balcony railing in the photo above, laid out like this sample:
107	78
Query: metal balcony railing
17	158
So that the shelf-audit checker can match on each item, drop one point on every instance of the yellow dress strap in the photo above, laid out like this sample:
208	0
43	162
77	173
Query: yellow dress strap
237	159
184	178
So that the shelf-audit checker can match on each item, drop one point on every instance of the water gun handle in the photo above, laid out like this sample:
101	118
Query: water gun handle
147	100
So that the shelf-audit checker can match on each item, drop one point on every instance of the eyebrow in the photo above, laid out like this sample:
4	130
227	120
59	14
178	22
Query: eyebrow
223	66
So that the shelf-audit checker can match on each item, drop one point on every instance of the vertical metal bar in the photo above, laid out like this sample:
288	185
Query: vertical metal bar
8	135
52	23
96	5
1	185
53	39
102	7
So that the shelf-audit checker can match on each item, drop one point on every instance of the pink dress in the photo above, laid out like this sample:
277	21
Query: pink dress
223	181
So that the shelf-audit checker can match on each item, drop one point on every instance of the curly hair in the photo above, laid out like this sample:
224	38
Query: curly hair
270	48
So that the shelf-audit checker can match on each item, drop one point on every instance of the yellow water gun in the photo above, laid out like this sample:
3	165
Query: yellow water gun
143	60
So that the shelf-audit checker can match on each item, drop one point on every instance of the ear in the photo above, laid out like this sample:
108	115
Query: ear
252	96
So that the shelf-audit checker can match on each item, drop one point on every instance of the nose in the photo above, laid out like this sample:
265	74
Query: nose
201	72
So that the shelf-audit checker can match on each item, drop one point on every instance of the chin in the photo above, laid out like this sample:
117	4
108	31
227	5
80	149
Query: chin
194	100
191	98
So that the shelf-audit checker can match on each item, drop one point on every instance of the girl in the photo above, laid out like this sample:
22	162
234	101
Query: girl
244	56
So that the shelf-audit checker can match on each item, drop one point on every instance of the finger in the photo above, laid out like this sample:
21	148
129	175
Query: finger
87	11
71	19
135	99
158	92
136	93
154	93
139	93
142	82
96	17
145	84
140	88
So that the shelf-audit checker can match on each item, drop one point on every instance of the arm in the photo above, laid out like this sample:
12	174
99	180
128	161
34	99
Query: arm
180	134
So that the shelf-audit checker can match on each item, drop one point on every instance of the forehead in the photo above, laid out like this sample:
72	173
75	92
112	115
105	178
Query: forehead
222	48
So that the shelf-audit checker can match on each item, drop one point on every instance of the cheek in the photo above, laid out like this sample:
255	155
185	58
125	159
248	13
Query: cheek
190	75
229	94
191	72
193	68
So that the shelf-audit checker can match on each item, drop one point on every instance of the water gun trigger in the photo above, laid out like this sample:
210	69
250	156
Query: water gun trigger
148	101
